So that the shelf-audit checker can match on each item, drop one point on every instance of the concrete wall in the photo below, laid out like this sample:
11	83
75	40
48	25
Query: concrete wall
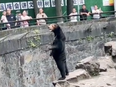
24	66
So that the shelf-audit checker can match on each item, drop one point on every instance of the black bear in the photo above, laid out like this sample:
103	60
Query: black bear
58	49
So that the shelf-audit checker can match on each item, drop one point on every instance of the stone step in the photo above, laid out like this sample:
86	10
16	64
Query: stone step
73	77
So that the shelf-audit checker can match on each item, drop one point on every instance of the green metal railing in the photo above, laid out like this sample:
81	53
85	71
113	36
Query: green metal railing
64	19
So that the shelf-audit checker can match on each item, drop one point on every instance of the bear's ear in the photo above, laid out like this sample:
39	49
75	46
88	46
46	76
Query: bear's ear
55	25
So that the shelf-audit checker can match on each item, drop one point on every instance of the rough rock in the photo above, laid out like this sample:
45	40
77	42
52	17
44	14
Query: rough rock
105	63
110	48
115	65
90	65
111	44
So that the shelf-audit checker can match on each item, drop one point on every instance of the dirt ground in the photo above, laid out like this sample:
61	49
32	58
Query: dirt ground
105	79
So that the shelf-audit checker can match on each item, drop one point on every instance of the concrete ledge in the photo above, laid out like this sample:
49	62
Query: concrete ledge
17	40
44	27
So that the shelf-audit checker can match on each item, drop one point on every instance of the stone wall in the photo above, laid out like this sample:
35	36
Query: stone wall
29	65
